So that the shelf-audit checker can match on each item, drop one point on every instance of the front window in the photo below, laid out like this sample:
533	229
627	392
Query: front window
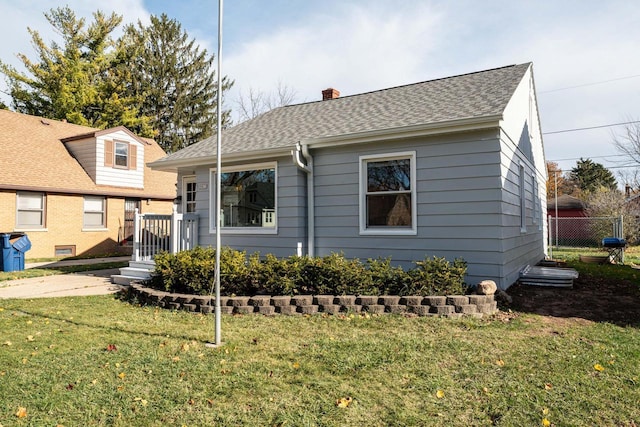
121	154
94	212
388	194
30	210
248	197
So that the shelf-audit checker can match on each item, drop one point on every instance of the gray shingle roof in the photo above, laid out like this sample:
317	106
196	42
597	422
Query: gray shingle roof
474	95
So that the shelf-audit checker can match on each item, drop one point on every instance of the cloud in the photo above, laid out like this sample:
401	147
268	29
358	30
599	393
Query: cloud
354	49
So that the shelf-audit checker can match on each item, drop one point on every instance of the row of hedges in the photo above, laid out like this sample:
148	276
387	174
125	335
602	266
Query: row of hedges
192	272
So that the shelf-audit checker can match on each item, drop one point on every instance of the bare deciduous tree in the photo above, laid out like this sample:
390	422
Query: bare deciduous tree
252	104
627	143
607	202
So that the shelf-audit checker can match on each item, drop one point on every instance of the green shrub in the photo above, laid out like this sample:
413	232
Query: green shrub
437	276
193	272
185	272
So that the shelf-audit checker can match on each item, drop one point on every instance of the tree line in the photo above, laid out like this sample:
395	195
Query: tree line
153	79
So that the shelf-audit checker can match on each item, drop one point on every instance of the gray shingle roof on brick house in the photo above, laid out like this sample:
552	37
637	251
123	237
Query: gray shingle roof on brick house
440	101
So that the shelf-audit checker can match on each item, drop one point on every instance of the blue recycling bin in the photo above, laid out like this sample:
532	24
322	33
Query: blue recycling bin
14	245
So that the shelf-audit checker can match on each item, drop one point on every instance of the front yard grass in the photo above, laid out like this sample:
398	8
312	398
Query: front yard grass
99	361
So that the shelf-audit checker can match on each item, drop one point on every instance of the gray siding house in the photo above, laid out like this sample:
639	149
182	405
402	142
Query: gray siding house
452	167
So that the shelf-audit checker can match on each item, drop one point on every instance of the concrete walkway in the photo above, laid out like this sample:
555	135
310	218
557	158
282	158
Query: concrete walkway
96	282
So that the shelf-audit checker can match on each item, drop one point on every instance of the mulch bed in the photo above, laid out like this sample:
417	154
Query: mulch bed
594	299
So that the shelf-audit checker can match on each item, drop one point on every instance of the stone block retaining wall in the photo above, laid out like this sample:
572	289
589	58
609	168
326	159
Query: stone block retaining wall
449	306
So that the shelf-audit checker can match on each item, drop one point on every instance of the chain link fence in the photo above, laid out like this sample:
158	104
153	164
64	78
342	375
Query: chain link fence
583	232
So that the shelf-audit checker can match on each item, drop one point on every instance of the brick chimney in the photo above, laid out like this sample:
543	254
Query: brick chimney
330	93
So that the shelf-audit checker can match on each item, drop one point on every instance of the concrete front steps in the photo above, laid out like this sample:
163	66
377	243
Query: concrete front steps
136	271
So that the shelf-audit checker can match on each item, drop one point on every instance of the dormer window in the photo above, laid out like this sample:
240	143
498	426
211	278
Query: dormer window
120	155
121	158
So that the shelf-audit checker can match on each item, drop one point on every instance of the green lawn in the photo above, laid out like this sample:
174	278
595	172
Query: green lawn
99	361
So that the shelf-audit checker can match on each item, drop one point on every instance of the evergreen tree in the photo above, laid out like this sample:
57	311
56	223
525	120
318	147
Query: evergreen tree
589	176
74	81
175	80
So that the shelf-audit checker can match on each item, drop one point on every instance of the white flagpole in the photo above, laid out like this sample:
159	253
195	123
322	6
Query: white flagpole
218	333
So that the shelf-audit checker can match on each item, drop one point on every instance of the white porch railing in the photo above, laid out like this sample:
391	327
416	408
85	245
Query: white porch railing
153	233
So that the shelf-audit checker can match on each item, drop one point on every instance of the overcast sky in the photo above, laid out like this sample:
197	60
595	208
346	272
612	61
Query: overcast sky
585	52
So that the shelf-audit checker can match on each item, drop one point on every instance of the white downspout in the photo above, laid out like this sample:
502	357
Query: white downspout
304	161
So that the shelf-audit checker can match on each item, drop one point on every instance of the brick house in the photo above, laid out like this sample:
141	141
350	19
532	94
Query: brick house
73	189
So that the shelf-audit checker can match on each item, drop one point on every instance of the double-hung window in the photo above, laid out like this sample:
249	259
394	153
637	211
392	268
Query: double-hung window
248	196
121	155
94	212
388	194
31	210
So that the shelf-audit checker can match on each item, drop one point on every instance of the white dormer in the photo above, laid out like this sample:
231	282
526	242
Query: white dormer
113	157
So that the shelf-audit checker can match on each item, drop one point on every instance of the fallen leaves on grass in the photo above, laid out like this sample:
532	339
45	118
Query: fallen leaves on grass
142	401
598	367
22	412
295	365
112	347
343	402
500	362
121	375
440	394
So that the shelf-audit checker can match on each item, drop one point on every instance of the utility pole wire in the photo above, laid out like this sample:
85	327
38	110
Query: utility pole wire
591	127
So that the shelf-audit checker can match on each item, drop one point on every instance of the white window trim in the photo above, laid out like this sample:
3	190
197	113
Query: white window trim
534	191
115	155
24	227
522	197
362	197
103	226
187	179
212	199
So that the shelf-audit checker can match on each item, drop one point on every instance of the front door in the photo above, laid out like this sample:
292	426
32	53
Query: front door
130	206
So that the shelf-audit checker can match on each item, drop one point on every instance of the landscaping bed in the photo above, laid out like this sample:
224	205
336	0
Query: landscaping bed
593	297
449	306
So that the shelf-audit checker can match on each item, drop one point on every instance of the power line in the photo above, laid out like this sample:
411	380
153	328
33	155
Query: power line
589	157
590	127
589	84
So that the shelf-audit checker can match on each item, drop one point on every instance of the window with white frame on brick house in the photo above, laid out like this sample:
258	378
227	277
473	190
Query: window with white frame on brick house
31	210
94	215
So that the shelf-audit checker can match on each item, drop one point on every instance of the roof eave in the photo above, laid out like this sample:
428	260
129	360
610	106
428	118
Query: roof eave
403	132
112	192
174	165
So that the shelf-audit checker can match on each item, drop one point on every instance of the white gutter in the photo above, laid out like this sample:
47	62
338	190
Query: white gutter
302	158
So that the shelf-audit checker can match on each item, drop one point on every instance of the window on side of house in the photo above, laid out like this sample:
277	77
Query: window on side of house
388	194
248	197
94	212
31	210
534	197
522	199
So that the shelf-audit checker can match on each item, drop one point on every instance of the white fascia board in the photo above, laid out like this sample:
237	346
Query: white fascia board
174	165
485	122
